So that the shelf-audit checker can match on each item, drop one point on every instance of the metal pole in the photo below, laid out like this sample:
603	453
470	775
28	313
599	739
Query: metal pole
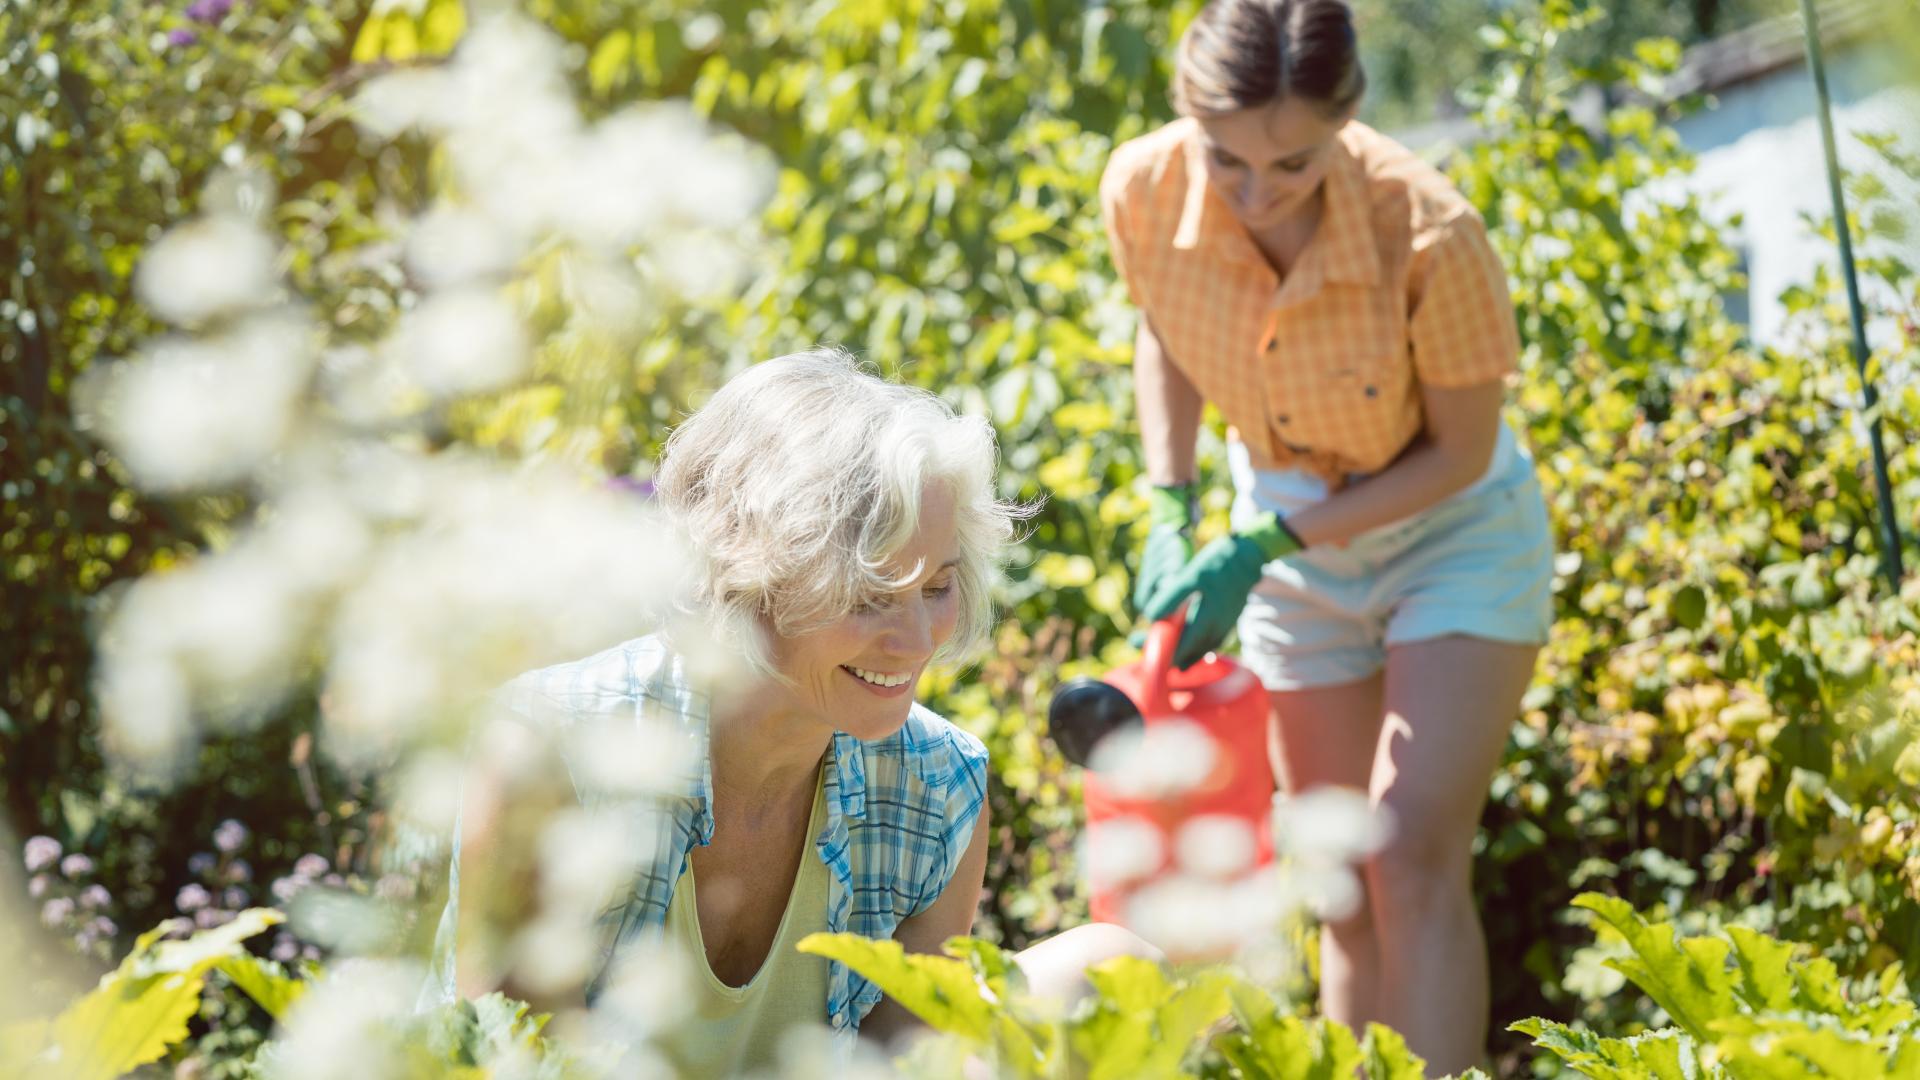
1889	520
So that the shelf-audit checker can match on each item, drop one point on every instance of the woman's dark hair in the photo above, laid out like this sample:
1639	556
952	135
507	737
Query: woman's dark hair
1246	54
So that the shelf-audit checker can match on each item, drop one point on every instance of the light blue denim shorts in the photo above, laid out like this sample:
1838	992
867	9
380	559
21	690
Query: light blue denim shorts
1479	563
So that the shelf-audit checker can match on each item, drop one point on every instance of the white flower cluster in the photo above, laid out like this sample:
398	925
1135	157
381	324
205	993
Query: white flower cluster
1210	901
529	167
409	581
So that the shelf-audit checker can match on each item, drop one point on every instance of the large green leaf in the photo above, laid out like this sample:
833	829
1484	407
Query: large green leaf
940	990
1388	1057
1801	1046
263	981
1687	977
1766	970
122	1024
1275	1044
1142	1024
1667	1054
141	1008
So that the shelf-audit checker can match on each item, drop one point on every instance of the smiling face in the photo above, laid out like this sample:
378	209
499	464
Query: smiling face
1269	162
858	673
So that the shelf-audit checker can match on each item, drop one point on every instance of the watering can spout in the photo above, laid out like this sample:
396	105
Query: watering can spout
1084	711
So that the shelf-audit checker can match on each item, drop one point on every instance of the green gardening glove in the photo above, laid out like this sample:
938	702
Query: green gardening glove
1221	578
1170	508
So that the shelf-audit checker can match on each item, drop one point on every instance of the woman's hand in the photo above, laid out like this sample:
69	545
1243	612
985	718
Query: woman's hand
1462	429
1221	578
1170	508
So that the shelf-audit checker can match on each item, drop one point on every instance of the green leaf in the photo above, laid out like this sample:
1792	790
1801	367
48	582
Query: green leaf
1388	1057
1142	1025
123	1024
940	990
1283	1046
1666	1054
1686	977
263	981
203	949
1788	1048
1019	222
1765	967
1689	607
609	61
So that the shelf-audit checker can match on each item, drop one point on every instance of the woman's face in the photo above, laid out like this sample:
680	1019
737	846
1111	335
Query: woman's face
1267	163
858	674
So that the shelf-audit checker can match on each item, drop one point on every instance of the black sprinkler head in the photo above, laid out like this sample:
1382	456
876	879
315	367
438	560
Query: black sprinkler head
1085	711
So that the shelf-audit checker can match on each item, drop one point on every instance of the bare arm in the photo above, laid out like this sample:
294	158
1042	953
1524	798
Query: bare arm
1452	451
949	916
1169	409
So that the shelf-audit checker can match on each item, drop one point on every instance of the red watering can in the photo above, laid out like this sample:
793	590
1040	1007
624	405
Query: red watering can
1215	699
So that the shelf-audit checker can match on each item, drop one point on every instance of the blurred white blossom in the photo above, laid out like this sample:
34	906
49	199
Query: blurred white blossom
1120	850
243	193
530	163
466	341
337	1029
1155	761
1197	918
430	789
211	266
454	245
648	990
346	922
1215	845
554	954
622	756
1322	833
584	858
192	414
1330	824
1329	890
501	574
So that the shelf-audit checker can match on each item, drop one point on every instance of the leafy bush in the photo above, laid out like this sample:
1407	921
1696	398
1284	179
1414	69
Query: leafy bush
1722	726
1742	1005
1135	1021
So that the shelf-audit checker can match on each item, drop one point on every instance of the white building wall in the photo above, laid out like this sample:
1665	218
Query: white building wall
1760	155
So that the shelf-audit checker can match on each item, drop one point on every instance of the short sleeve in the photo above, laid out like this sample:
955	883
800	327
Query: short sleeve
1462	329
1116	213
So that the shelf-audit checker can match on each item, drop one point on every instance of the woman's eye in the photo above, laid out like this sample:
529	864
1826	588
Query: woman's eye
939	590
1226	161
1293	166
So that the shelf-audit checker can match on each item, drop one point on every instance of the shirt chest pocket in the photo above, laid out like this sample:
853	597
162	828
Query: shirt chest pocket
1342	389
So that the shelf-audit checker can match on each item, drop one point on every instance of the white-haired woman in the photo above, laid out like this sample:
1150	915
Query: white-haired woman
848	535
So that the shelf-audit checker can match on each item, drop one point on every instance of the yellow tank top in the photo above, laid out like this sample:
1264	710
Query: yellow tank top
732	1029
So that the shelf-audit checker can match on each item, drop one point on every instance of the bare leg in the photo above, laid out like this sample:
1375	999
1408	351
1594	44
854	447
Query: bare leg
1329	735
1450	704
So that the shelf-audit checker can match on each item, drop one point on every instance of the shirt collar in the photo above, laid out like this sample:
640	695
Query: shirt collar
1344	240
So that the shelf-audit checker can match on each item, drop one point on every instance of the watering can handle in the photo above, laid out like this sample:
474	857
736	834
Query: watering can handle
1157	667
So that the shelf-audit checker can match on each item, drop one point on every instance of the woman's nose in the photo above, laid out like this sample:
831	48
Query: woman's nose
909	632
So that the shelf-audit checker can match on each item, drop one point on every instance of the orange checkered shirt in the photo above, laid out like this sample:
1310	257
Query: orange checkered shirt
1398	288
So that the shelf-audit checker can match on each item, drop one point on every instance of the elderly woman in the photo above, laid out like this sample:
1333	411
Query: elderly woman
849	536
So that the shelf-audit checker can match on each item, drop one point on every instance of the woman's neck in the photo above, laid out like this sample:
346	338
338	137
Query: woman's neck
763	756
1284	242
